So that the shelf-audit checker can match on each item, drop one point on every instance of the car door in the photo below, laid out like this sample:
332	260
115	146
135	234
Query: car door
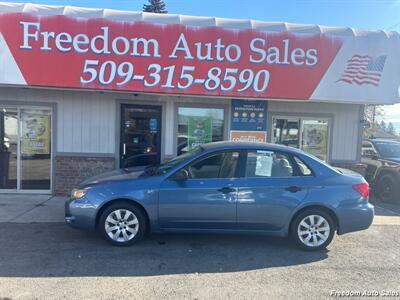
206	199
369	157
269	190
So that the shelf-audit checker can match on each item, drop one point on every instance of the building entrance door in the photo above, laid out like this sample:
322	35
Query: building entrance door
140	135
25	149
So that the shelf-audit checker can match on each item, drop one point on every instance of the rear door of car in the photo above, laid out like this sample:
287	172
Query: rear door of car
270	188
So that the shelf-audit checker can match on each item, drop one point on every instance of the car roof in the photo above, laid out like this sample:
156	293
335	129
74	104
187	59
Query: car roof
247	145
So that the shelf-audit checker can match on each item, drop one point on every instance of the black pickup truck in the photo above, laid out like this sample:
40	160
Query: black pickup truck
382	158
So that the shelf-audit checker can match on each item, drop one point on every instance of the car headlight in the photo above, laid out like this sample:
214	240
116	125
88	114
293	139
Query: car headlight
78	193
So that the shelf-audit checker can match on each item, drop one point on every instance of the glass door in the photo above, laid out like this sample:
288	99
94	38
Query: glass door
308	134
25	149
140	135
286	132
35	149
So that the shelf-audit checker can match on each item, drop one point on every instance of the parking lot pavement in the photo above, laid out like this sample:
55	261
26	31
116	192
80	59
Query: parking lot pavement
52	261
383	208
385	213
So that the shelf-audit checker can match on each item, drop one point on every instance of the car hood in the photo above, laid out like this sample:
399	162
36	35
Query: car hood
117	175
392	159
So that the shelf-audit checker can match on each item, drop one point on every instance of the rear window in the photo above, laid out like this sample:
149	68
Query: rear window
304	169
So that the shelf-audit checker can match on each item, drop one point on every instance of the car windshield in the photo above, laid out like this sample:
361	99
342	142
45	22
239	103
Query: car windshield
166	167
388	149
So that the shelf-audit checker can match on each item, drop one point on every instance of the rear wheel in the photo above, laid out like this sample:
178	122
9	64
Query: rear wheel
122	224
387	189
313	229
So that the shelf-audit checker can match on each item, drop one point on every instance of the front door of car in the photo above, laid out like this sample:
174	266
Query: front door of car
206	199
269	191
370	158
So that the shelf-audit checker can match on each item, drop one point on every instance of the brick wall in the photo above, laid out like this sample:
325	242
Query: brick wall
70	170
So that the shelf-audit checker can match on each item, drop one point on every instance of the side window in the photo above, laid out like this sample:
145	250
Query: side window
268	164
367	149
221	165
304	169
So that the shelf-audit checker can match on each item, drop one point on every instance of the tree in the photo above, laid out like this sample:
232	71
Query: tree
383	126
371	114
155	6
390	128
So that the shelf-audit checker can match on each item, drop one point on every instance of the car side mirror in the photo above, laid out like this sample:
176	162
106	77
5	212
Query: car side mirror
181	175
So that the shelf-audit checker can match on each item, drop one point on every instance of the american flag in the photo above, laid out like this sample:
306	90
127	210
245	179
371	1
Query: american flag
363	69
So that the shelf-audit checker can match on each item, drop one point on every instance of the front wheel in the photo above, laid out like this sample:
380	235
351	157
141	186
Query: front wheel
122	224
313	230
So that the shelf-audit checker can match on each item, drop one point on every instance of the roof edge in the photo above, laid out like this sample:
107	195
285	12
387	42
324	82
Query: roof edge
197	21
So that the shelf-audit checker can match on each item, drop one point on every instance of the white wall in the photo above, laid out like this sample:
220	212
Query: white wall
85	122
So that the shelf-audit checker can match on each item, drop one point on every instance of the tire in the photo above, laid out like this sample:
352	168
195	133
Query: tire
129	221
388	188
323	237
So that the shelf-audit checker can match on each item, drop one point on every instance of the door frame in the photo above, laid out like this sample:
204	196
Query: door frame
119	128
39	106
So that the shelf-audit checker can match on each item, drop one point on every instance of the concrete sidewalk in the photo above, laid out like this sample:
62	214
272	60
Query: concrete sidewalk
31	208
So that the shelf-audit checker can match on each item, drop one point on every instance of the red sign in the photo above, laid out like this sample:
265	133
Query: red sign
65	52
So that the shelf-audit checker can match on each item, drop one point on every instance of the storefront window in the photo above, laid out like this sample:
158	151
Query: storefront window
308	134
198	126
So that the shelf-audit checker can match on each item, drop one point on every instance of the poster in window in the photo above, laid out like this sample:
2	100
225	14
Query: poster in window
249	121
199	131
35	135
249	115
315	139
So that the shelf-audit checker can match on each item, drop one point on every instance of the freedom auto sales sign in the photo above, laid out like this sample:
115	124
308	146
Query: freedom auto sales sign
102	54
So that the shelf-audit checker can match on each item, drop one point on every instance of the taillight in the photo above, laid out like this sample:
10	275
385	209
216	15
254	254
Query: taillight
362	189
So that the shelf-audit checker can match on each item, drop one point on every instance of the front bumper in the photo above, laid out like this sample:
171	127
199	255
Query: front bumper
356	218
80	214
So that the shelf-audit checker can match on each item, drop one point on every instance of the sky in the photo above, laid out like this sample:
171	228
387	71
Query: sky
367	14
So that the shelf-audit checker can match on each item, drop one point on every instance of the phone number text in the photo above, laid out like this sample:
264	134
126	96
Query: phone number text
171	77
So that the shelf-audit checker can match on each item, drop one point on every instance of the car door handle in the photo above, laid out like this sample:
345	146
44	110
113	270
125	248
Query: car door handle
293	189
226	190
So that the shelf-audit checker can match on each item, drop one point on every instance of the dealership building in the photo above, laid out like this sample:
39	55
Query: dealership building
84	91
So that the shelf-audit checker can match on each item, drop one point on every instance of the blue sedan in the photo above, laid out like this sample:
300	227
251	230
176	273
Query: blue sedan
226	188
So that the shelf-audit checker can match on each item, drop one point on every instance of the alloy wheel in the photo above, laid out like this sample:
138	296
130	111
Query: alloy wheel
121	225
313	230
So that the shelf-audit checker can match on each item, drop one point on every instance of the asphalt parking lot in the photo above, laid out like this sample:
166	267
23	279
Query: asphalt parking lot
53	261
